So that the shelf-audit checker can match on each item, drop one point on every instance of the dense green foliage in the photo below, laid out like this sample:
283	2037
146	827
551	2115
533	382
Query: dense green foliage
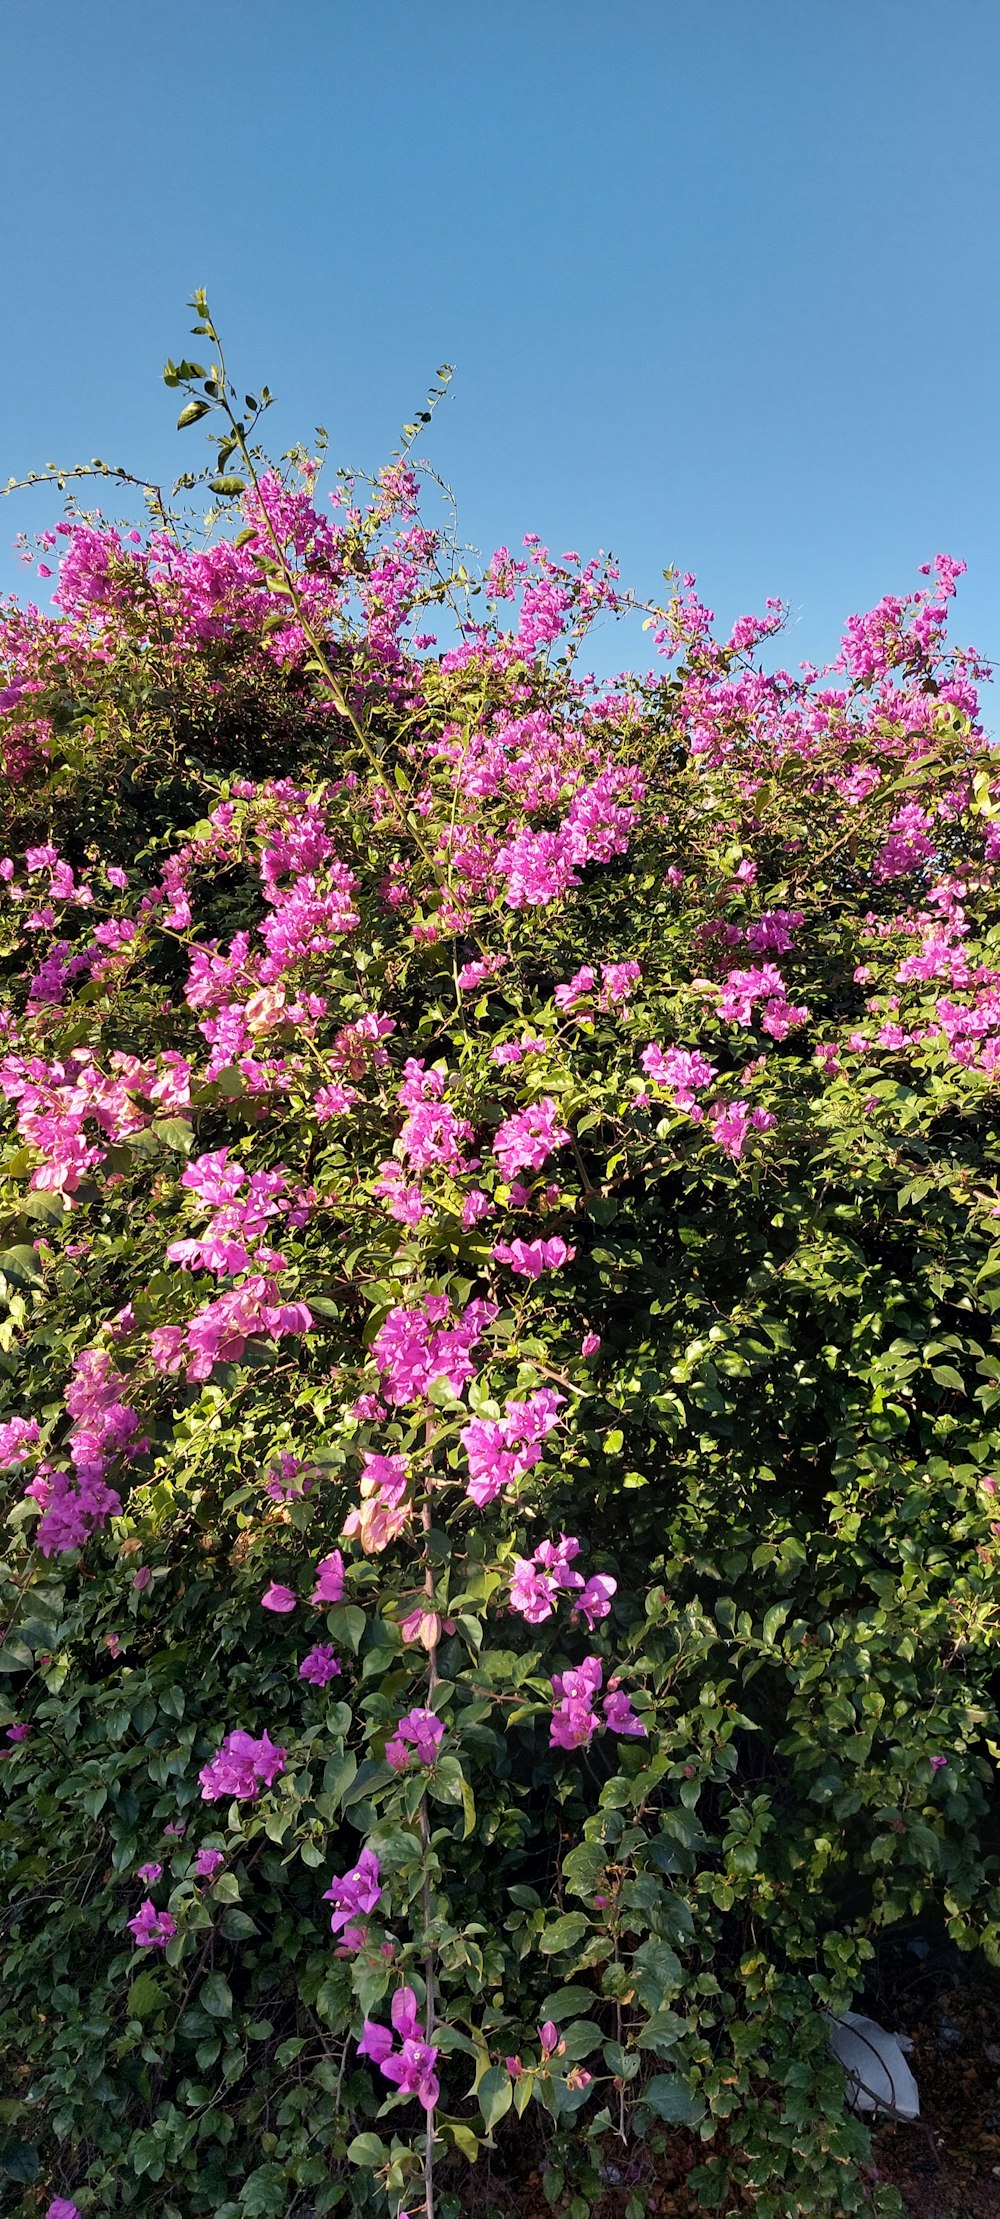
782	1449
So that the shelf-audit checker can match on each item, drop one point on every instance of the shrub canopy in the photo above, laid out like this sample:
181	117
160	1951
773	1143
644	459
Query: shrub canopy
499	1262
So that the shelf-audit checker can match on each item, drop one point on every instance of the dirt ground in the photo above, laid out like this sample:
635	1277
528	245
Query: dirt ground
946	2165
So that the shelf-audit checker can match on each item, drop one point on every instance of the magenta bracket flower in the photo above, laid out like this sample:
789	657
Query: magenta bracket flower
356	1893
279	1599
411	2066
421	1733
150	1928
241	1768
574	1718
320	1665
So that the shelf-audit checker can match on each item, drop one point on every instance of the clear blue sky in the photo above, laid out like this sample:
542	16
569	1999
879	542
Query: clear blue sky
720	278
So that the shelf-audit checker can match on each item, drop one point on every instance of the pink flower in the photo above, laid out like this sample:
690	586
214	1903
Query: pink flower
411	2067
501	1450
16	1437
384	1510
241	1767
356	1893
530	1258
142	1578
152	1929
149	1873
333	1101
537	1581
419	1731
618	1712
577	988
527	1140
681	1070
730	1123
574	1719
424	1626
590	1344
19	1731
595	1600
289	1480
329	1586
473	974
618	981
206	1863
548	2035
320	1666
61	2207
279	1599
414	1348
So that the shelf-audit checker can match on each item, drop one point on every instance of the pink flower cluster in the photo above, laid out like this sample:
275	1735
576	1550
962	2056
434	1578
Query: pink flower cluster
764	985
411	2067
908	844
241	1768
353	1896
540	867
730	1123
683	1071
218	1333
415	1347
319	1666
384	1510
239	1220
530	1258
525	1141
501	1450
618	983
574	1718
150	1928
419	1732
103	1424
538	1581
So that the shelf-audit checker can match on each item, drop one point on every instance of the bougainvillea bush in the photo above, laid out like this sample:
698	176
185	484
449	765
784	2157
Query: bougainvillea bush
500	1256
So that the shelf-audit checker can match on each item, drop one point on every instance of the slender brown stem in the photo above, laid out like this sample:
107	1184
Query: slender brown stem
427	1520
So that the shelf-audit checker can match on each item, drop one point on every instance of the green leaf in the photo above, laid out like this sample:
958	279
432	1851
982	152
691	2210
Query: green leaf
266	2194
564	1933
669	2096
21	1266
346	1624
944	1375
146	1994
192	413
495	2094
216	1996
19	2161
237	1925
462	2136
367	2149
584	1866
174	1132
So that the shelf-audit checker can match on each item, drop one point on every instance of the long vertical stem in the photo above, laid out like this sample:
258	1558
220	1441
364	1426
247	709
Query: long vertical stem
425	1840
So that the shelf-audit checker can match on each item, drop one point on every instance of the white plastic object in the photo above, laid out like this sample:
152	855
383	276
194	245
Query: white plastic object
878	2075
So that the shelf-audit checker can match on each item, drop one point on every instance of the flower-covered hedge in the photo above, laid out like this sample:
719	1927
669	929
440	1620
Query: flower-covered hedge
499	1259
